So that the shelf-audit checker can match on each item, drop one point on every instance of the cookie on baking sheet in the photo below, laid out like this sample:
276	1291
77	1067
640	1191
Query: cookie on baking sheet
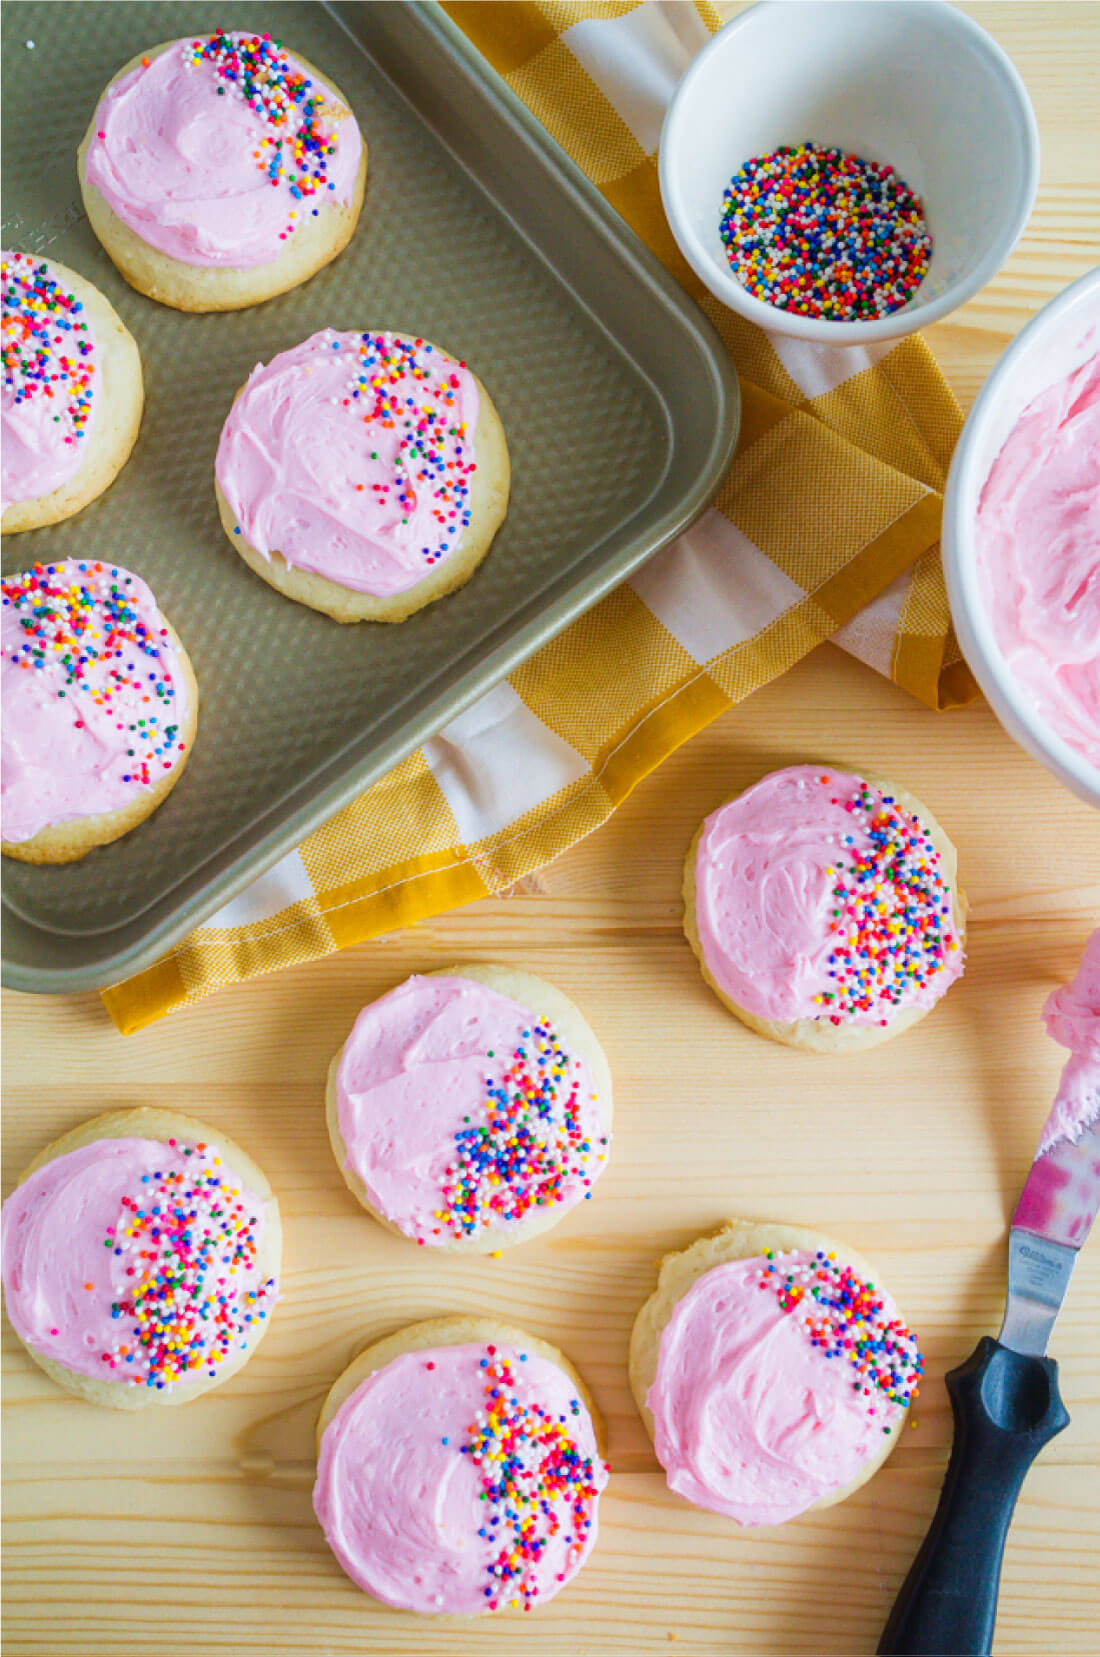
772	1371
141	1258
100	708
363	474
824	908
470	1108
460	1468
221	170
72	395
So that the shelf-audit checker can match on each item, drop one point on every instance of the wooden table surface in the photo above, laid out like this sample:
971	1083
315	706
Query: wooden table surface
192	1530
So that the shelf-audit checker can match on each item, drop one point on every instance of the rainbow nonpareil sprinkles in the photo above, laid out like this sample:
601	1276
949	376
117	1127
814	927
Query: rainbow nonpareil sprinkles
529	1149
892	921
823	234
80	630
535	1482
394	384
186	1246
48	349
302	136
844	1318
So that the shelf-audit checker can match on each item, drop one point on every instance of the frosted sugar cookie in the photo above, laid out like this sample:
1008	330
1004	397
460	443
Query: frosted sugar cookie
471	1108
100	706
220	170
141	1259
824	908
363	474
460	1469
772	1371
72	395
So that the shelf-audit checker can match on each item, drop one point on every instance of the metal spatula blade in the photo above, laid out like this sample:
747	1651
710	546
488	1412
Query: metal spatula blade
1053	1217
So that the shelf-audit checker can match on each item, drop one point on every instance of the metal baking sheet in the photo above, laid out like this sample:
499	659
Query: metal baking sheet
620	405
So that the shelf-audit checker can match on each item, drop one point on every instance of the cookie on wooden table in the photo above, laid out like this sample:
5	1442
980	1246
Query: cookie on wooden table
221	170
100	708
363	474
460	1465
772	1371
72	394
824	908
471	1108
141	1257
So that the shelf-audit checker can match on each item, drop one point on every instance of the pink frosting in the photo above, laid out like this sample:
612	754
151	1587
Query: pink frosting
82	1250
94	696
416	1509
816	896
752	1418
186	162
47	401
1037	545
1072	1017
462	1113
351	455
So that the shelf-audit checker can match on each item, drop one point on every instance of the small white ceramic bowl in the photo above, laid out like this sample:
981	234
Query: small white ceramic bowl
910	83
1055	342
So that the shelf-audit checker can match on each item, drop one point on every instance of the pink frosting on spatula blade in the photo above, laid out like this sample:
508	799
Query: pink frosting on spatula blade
752	1416
48	399
94	695
352	456
462	1112
208	175
1037	541
1072	1017
816	896
86	1261
433	1466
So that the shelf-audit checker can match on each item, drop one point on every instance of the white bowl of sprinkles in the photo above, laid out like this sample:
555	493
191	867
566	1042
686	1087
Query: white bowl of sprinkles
909	85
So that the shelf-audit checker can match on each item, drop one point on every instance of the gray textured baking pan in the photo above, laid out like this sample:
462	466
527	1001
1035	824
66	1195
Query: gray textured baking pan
620	405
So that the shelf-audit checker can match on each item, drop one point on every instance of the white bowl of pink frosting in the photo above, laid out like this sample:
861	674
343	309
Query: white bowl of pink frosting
1021	538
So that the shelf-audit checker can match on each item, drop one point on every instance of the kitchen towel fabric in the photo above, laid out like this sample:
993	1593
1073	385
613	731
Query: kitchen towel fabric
826	526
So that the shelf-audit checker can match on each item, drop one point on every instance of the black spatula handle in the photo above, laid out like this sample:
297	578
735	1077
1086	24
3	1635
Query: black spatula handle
1006	1408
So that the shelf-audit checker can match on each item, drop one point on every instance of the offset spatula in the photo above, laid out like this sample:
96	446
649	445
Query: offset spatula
1006	1406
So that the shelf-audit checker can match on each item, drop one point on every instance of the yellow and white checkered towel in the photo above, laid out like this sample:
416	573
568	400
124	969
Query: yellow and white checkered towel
826	527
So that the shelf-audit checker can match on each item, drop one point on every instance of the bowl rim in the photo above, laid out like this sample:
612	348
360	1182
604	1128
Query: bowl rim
973	627
725	286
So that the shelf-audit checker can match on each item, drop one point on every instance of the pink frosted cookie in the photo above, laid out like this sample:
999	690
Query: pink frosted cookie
220	170
772	1372
824	908
460	1469
72	392
363	474
141	1258
470	1109
100	707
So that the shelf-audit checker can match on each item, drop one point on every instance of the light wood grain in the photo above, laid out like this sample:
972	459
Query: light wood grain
195	1533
